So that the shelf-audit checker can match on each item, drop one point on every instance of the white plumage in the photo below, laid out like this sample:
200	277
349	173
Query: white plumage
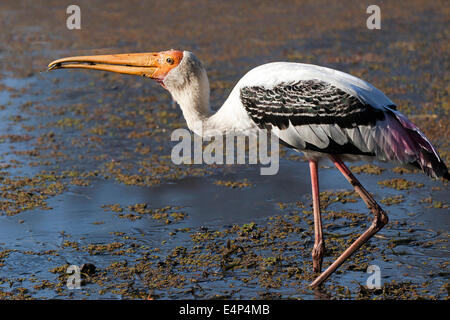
232	116
271	74
319	111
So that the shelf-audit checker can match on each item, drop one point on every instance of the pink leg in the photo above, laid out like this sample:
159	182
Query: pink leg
380	220
319	246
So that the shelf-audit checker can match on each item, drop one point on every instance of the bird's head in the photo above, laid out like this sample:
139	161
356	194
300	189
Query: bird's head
170	68
179	72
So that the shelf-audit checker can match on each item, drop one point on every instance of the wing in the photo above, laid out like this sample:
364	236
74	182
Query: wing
343	115
307	102
313	115
272	74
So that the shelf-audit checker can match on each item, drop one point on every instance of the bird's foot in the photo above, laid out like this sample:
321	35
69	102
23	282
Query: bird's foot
317	255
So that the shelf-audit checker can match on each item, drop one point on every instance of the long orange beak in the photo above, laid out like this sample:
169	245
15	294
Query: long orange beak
153	65
140	64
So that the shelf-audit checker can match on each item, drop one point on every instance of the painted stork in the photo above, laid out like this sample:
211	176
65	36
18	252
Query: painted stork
321	112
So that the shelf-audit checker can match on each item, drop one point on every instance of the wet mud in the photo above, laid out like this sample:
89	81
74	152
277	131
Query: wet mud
86	176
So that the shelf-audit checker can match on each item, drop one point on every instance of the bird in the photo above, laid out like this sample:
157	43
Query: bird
321	112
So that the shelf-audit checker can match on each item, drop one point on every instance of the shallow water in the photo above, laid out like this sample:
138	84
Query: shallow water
92	133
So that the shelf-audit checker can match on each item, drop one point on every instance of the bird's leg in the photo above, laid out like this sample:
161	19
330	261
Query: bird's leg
319	246
379	221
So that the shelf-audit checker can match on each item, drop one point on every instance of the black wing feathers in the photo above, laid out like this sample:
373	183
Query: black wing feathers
306	102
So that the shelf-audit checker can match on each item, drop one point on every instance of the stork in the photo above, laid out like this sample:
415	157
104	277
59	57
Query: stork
321	112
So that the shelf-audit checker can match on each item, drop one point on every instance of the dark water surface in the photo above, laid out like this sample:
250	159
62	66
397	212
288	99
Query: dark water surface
74	144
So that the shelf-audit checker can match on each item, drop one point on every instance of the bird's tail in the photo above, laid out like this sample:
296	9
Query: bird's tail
428	159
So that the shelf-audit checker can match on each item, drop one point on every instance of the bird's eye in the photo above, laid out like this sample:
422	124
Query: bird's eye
169	60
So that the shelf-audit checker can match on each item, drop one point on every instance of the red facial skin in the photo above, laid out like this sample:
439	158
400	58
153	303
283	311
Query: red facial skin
166	61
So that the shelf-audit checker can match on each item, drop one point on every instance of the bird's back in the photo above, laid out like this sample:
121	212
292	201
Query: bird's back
272	74
322	111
